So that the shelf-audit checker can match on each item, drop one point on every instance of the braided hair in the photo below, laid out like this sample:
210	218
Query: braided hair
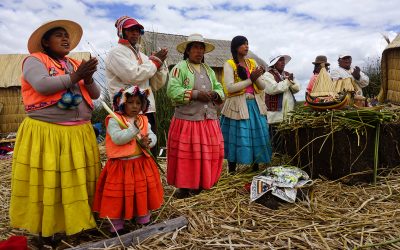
238	41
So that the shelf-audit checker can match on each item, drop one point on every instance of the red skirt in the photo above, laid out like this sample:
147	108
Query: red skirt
195	153
128	188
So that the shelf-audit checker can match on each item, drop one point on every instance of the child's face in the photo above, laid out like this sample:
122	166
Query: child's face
133	106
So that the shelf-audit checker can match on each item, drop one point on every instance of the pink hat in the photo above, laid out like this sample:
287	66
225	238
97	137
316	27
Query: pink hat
131	22
125	22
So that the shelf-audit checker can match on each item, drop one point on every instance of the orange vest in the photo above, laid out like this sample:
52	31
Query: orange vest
34	100
131	148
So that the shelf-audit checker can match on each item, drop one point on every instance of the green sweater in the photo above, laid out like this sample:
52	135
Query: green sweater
181	82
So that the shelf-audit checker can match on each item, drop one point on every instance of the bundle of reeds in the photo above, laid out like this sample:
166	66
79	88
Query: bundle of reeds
354	119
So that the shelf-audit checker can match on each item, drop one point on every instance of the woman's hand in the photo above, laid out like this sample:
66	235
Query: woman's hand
85	71
257	73
214	97
203	96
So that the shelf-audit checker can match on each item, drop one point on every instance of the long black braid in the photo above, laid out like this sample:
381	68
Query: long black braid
238	41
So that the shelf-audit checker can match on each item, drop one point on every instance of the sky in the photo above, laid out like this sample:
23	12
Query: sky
302	29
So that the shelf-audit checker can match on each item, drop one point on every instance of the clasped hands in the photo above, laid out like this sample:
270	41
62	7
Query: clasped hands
204	96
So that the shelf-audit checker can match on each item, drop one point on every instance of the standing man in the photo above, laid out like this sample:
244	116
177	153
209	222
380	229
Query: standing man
346	71
279	98
127	66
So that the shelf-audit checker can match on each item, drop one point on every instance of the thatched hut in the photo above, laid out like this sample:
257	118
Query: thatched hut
12	110
390	76
151	41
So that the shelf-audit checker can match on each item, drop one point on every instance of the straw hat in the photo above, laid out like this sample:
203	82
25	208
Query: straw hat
74	30
321	59
273	60
195	38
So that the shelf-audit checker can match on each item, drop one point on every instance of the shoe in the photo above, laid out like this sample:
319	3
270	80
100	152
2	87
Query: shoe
182	193
120	232
52	241
255	167
231	167
195	191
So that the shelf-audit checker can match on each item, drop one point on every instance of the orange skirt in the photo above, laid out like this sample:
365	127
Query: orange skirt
128	188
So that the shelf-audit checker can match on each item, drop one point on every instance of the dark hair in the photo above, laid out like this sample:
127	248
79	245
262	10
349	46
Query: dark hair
142	96
318	66
46	37
238	41
188	47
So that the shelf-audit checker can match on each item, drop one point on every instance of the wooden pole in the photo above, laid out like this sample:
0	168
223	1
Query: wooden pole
135	237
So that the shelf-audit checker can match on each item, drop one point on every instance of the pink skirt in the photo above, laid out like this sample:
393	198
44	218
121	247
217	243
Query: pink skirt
195	153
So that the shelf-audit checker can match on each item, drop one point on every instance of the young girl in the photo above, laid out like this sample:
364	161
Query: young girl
129	186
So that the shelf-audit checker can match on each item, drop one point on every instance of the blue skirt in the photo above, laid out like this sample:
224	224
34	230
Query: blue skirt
247	141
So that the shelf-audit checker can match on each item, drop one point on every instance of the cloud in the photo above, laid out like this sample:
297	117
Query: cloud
302	29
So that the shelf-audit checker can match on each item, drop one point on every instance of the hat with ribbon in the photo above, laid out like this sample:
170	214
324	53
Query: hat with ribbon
195	38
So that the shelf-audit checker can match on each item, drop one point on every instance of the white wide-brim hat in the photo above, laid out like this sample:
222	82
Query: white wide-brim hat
195	38
74	31
341	56
274	59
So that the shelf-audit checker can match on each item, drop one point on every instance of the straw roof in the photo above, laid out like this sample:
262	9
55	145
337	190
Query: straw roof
390	66
222	52
11	67
394	44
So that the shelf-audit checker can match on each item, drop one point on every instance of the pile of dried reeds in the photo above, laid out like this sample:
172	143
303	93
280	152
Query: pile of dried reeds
351	118
334	216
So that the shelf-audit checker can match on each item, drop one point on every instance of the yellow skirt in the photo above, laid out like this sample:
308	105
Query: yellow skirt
54	173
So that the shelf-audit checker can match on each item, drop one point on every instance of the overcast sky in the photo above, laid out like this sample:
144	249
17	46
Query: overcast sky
299	28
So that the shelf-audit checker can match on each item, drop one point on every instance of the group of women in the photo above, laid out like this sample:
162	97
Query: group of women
56	159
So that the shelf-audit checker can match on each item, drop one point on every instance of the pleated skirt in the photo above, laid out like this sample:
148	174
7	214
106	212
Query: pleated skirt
54	173
195	153
128	188
247	141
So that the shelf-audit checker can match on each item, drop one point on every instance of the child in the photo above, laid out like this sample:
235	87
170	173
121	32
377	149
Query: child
129	186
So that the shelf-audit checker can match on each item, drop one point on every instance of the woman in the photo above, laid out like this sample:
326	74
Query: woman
195	143
243	121
280	90
319	60
56	159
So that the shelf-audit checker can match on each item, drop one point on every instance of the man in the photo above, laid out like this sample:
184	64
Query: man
346	71
126	65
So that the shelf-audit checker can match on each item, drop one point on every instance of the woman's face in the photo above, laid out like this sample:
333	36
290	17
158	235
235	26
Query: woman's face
196	52
243	49
133	106
57	43
318	68
280	64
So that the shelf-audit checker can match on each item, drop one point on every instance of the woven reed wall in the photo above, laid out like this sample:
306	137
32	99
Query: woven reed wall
12	112
393	75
